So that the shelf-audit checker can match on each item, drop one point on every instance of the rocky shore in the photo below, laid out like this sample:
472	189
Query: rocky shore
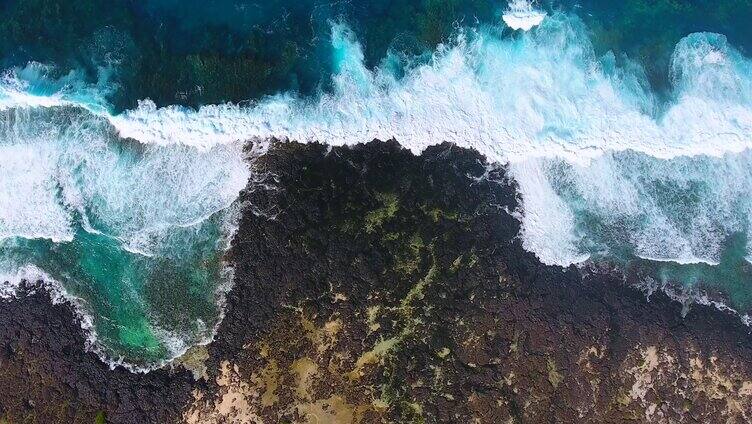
373	285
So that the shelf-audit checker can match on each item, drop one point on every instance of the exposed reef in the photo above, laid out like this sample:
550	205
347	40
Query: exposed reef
48	377
373	285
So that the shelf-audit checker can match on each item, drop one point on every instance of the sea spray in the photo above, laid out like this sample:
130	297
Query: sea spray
532	100
539	94
522	15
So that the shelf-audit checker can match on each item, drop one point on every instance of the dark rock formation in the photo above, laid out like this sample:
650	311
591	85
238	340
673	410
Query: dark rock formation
373	285
46	376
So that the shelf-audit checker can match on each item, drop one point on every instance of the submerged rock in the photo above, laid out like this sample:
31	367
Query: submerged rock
372	285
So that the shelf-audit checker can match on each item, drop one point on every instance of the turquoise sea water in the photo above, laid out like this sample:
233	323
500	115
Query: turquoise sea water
143	308
626	124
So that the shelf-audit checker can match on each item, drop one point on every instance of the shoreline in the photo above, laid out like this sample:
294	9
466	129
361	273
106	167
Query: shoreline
364	282
685	297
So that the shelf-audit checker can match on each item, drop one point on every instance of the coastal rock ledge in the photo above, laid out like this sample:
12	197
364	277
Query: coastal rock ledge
373	285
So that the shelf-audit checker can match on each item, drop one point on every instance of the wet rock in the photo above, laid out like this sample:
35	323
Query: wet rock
48	376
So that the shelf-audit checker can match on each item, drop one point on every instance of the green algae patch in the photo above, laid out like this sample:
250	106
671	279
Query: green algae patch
389	205
409	255
437	214
194	360
100	418
417	292
443	353
554	376
373	356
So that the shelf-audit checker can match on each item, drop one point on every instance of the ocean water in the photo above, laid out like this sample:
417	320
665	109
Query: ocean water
627	125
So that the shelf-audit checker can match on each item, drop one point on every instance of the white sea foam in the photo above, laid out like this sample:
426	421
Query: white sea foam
32	86
680	210
12	275
60	160
522	15
28	205
530	100
547	222
541	94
